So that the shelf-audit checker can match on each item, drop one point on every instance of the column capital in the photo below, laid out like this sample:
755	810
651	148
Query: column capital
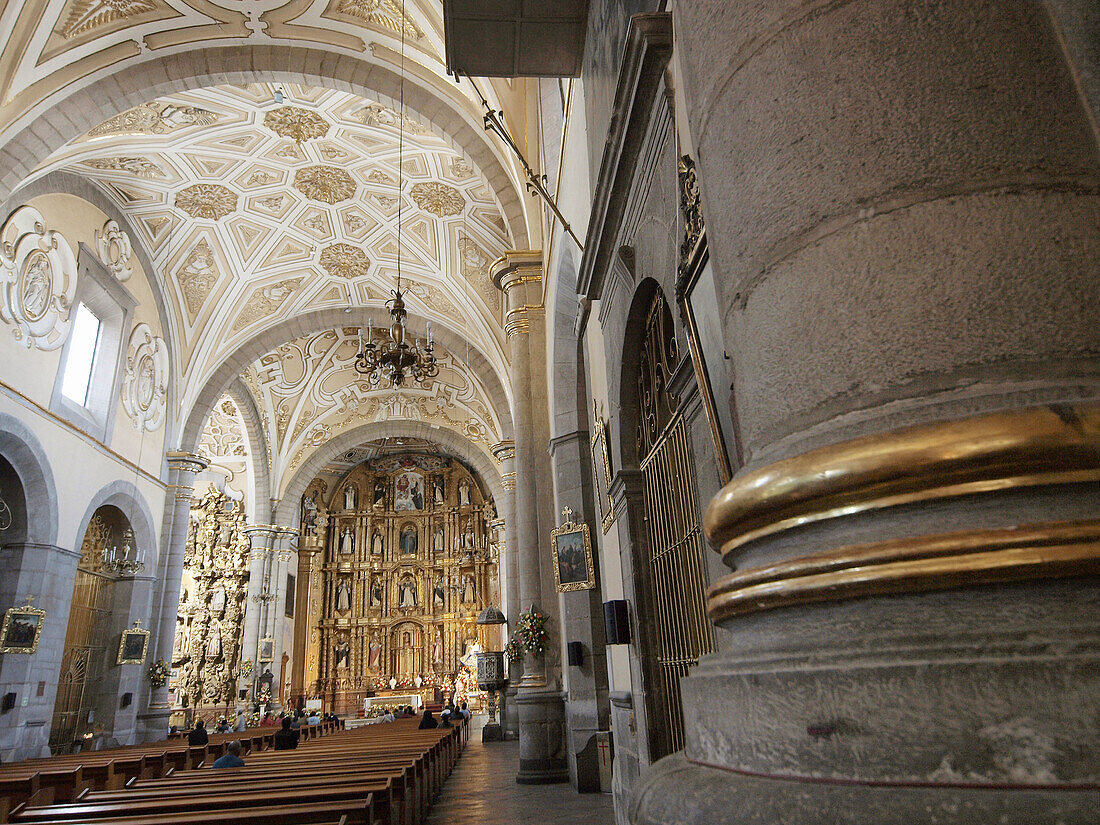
188	462
516	266
503	450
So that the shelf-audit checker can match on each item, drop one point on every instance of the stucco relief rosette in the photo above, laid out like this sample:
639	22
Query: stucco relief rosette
115	250
38	280
144	386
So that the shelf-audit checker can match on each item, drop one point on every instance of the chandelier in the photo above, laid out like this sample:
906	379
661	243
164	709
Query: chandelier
396	358
123	565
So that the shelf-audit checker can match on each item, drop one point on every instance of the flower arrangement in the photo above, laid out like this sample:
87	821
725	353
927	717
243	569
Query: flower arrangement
158	673
247	667
532	631
264	696
514	648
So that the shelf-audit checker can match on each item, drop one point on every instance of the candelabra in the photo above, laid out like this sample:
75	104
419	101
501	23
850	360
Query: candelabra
396	357
123	565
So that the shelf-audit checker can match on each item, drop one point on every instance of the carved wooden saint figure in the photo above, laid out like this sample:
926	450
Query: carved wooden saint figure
408	539
349	497
379	493
376	543
438	490
343	596
408	593
375	593
464	493
438	540
347	542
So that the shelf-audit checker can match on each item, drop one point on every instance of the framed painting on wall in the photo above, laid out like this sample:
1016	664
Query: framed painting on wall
22	629
572	550
601	467
133	646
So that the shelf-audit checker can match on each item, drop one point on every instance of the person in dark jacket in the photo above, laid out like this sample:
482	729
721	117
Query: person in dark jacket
428	722
286	739
198	734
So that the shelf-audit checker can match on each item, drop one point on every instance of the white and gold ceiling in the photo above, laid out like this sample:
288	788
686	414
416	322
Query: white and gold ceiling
256	211
307	392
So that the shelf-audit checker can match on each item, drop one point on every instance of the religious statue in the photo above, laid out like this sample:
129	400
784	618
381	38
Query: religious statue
347	542
439	593
374	652
376	543
349	497
438	541
217	600
343	652
408	539
437	651
438	490
214	641
408	593
309	514
343	596
468	537
464	493
468	594
379	493
375	593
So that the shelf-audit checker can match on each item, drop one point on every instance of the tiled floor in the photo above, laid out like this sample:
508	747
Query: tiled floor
482	790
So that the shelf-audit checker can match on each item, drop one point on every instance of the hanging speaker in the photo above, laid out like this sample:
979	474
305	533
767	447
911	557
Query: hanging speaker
8	703
127	698
616	622
575	653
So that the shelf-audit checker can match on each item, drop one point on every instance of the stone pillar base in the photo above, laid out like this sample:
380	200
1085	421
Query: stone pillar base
677	791
542	759
492	733
152	725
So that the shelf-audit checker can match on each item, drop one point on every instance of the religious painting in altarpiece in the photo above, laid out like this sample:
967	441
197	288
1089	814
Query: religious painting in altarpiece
206	655
399	570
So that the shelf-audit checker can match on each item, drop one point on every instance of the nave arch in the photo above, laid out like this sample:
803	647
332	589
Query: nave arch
476	459
21	449
71	112
308	323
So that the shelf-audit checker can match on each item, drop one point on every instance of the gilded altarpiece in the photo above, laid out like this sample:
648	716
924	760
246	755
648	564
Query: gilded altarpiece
206	656
403	561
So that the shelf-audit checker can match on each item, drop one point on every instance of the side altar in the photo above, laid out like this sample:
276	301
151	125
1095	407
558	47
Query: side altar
398	556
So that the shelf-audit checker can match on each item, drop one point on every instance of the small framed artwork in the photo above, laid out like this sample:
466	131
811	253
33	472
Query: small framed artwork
22	629
601	467
572	549
267	649
133	646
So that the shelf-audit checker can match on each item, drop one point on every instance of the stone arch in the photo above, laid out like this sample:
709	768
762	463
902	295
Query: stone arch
474	457
69	112
258	449
60	182
20	447
130	500
626	389
308	323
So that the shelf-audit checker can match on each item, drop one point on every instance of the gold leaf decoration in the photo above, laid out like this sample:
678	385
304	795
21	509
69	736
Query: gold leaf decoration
154	119
344	261
266	301
296	123
438	198
86	15
197	277
206	200
324	183
375	114
385	14
142	167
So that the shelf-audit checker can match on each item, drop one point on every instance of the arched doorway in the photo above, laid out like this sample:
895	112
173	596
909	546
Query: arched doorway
87	641
674	573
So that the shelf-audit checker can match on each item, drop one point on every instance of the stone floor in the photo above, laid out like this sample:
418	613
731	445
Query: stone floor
482	790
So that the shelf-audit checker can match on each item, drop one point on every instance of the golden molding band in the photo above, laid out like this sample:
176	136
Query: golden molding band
1042	445
913	565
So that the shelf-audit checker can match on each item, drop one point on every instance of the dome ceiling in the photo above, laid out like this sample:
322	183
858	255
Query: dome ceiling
256	210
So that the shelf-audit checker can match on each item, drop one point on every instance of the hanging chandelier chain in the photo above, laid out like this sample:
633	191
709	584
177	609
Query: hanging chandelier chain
396	359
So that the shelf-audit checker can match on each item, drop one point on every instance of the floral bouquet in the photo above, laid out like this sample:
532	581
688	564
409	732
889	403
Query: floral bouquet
247	668
532	631
158	673
514	648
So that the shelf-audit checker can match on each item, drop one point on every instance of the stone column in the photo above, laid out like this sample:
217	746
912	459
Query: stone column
40	575
131	599
286	559
505	453
901	200
538	699
259	598
152	719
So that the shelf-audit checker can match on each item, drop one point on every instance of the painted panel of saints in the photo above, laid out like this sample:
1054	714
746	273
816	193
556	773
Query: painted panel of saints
409	491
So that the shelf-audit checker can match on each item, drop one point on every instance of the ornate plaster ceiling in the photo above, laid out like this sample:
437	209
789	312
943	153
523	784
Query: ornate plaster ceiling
57	42
255	211
223	435
307	392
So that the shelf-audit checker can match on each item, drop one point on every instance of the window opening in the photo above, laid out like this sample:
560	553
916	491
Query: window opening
81	356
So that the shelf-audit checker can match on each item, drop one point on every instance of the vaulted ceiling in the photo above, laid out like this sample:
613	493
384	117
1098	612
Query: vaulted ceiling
256	210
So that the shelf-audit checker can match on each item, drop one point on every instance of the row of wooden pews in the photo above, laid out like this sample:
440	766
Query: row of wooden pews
384	774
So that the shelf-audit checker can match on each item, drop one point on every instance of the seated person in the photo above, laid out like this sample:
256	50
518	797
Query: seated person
287	738
428	721
464	711
198	735
232	757
445	720
314	719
